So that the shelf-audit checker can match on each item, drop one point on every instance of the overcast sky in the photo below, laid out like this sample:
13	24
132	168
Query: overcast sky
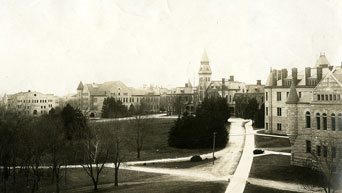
51	45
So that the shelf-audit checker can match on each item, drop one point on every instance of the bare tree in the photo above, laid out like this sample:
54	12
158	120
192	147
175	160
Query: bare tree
117	153
325	165
96	151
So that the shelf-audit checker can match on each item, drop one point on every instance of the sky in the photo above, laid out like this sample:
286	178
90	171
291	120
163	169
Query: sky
51	45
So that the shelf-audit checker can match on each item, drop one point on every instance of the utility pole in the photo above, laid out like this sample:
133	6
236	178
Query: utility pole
214	147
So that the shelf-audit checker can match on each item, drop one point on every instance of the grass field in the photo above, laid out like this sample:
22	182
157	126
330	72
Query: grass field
251	188
129	181
155	144
278	168
272	143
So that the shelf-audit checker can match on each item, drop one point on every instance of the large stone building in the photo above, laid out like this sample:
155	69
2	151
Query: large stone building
278	87
90	97
315	124
31	103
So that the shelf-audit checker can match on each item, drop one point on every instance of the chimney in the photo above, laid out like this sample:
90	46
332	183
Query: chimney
330	68
283	75
319	74
279	75
294	75
223	85
258	82
307	75
186	84
274	72
231	78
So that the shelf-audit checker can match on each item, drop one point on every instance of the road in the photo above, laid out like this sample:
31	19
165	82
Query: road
225	165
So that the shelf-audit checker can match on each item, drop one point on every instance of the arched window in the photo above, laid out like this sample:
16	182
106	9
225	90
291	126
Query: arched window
325	125
318	120
308	120
333	122
340	122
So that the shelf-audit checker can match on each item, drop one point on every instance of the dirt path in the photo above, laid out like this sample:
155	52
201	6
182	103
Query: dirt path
225	165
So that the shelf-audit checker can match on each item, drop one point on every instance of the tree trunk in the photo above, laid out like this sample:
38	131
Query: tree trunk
138	153
57	180
116	176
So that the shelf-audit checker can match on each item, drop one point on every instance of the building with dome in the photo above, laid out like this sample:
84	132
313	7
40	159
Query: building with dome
277	90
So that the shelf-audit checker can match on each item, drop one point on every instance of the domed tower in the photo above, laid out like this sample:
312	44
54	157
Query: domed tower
292	114
204	75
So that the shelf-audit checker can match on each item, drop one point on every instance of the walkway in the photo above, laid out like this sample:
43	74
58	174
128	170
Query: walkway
238	181
224	167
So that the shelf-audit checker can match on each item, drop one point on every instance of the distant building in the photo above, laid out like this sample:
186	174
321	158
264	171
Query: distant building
31	103
255	91
90	97
314	124
277	91
182	99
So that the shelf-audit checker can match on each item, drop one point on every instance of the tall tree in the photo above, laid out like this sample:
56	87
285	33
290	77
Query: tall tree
96	151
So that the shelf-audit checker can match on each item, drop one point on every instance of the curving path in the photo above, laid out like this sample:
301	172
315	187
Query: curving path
225	165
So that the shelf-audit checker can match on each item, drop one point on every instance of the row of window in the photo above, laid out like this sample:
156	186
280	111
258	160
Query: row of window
330	97
323	151
279	126
279	111
34	101
279	94
324	123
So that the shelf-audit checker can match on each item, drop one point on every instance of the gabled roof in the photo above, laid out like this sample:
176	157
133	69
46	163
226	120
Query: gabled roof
80	86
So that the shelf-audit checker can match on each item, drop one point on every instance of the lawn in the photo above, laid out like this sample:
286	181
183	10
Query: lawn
272	143
155	144
129	181
251	188
278	168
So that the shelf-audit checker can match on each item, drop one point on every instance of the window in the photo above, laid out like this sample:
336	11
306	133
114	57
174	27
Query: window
266	126
325	151
330	97
333	152
308	119
279	126
322	97
300	94
318	97
325	125
308	146
326	97
333	122
266	111
278	96
287	94
318	121
318	150
334	97
340	122
266	96
278	111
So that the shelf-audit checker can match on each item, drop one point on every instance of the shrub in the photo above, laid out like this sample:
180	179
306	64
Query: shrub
196	158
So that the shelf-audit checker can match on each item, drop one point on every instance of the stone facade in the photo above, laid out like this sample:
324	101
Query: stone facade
277	90
315	127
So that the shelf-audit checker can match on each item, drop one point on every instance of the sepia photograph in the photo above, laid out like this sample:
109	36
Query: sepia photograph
170	96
